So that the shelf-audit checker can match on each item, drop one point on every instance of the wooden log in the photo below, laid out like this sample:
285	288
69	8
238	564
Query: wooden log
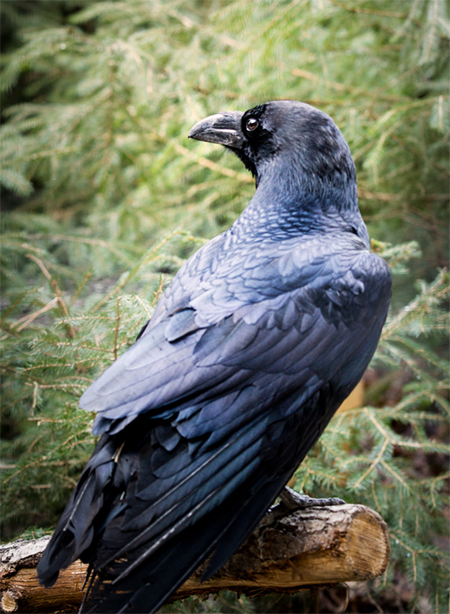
287	552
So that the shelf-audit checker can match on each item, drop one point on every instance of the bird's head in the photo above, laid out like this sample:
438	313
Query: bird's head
288	140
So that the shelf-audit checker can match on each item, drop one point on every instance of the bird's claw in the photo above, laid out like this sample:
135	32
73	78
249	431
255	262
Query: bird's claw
295	501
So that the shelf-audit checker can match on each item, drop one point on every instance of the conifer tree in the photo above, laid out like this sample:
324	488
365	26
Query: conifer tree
104	199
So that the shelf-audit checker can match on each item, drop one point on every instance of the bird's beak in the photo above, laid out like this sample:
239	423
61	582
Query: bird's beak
221	128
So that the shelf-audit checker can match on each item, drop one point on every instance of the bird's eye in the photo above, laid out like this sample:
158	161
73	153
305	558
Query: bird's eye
252	124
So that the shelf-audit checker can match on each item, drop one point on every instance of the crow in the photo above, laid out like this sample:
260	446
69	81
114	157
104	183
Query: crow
260	336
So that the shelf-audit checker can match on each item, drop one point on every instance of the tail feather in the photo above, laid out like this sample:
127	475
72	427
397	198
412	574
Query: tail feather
77	527
220	531
243	524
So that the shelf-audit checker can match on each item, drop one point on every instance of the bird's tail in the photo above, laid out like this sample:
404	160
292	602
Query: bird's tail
220	532
75	531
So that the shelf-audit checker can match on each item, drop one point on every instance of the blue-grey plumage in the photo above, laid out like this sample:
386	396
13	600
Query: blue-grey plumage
252	348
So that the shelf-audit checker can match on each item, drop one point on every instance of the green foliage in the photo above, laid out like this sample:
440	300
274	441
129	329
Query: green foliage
98	179
123	82
226	603
377	455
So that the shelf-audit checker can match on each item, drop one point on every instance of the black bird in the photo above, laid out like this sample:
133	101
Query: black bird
258	339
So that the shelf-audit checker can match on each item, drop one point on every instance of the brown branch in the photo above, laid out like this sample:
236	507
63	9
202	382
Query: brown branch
287	552
60	301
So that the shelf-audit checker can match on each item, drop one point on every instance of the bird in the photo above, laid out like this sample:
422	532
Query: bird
260	336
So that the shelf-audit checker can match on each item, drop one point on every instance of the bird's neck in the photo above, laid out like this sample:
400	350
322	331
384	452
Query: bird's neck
293	206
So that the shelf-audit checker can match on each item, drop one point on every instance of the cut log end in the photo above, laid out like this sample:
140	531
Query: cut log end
316	546
10	601
367	546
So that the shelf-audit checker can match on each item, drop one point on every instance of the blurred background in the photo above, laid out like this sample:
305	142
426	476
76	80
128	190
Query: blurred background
103	198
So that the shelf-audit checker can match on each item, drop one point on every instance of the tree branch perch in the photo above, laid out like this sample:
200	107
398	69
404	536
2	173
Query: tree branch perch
287	552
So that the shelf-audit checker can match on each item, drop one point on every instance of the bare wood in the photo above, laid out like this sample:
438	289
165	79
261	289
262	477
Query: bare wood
354	399
309	547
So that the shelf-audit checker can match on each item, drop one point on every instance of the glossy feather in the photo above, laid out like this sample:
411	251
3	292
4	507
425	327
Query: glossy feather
255	344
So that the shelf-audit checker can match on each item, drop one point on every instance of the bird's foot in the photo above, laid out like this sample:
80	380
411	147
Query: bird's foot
295	501
291	501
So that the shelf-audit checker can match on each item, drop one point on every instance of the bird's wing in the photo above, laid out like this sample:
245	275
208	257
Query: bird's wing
234	330
204	416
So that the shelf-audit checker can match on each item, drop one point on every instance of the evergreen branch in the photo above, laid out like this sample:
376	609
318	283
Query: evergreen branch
373	465
430	295
16	182
80	288
15	303
28	319
86	241
63	308
60	364
435	481
396	475
356	9
59	300
150	257
116	331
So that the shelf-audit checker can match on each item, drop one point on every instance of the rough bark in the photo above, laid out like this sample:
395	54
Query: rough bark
287	552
